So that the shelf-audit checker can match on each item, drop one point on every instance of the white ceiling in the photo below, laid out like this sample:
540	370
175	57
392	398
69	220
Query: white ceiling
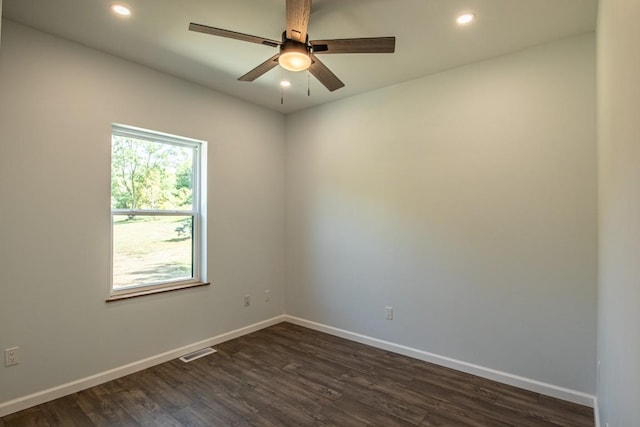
427	38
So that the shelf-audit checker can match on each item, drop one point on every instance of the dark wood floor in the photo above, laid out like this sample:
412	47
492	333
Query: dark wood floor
287	375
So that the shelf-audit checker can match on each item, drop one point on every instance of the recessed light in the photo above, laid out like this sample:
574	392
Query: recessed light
120	9
465	18
285	83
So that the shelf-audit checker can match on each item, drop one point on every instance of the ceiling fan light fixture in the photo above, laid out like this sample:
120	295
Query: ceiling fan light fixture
294	57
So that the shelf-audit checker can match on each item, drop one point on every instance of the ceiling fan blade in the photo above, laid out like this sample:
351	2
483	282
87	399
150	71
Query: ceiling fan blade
324	75
361	45
260	69
298	12
232	35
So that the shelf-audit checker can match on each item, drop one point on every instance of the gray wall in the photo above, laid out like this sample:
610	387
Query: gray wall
619	180
57	103
467	201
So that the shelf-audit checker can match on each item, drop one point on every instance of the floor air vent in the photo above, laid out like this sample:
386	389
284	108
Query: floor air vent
197	354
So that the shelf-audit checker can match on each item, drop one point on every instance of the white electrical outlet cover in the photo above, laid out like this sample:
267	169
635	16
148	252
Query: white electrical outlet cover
11	356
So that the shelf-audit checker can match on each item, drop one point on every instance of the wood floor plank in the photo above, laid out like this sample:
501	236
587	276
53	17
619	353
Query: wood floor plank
264	378
66	411
299	383
32	417
442	418
567	408
162	393
283	412
102	409
143	409
199	414
287	375
367	414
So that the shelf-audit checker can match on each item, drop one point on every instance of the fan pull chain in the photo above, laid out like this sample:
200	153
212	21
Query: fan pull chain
308	82
281	88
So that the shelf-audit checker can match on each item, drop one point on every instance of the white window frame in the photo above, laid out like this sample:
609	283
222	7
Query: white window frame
197	213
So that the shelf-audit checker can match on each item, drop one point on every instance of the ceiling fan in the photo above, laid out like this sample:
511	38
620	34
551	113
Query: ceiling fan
297	52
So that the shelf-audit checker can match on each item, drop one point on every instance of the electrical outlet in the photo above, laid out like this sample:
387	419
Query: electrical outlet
11	356
247	300
388	313
267	295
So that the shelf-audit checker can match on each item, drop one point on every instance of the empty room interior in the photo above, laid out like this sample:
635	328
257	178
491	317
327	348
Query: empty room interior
430	223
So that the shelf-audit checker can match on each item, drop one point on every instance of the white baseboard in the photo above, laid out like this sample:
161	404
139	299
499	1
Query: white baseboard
596	412
38	398
492	374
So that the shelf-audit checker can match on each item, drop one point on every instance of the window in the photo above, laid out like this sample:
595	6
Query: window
156	217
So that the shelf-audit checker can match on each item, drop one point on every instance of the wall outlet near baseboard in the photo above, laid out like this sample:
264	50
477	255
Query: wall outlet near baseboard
267	295
388	313
11	356
247	300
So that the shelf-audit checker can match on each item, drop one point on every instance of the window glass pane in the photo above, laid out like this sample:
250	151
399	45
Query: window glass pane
151	249
150	175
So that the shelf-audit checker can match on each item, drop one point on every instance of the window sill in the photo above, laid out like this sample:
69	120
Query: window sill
118	297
